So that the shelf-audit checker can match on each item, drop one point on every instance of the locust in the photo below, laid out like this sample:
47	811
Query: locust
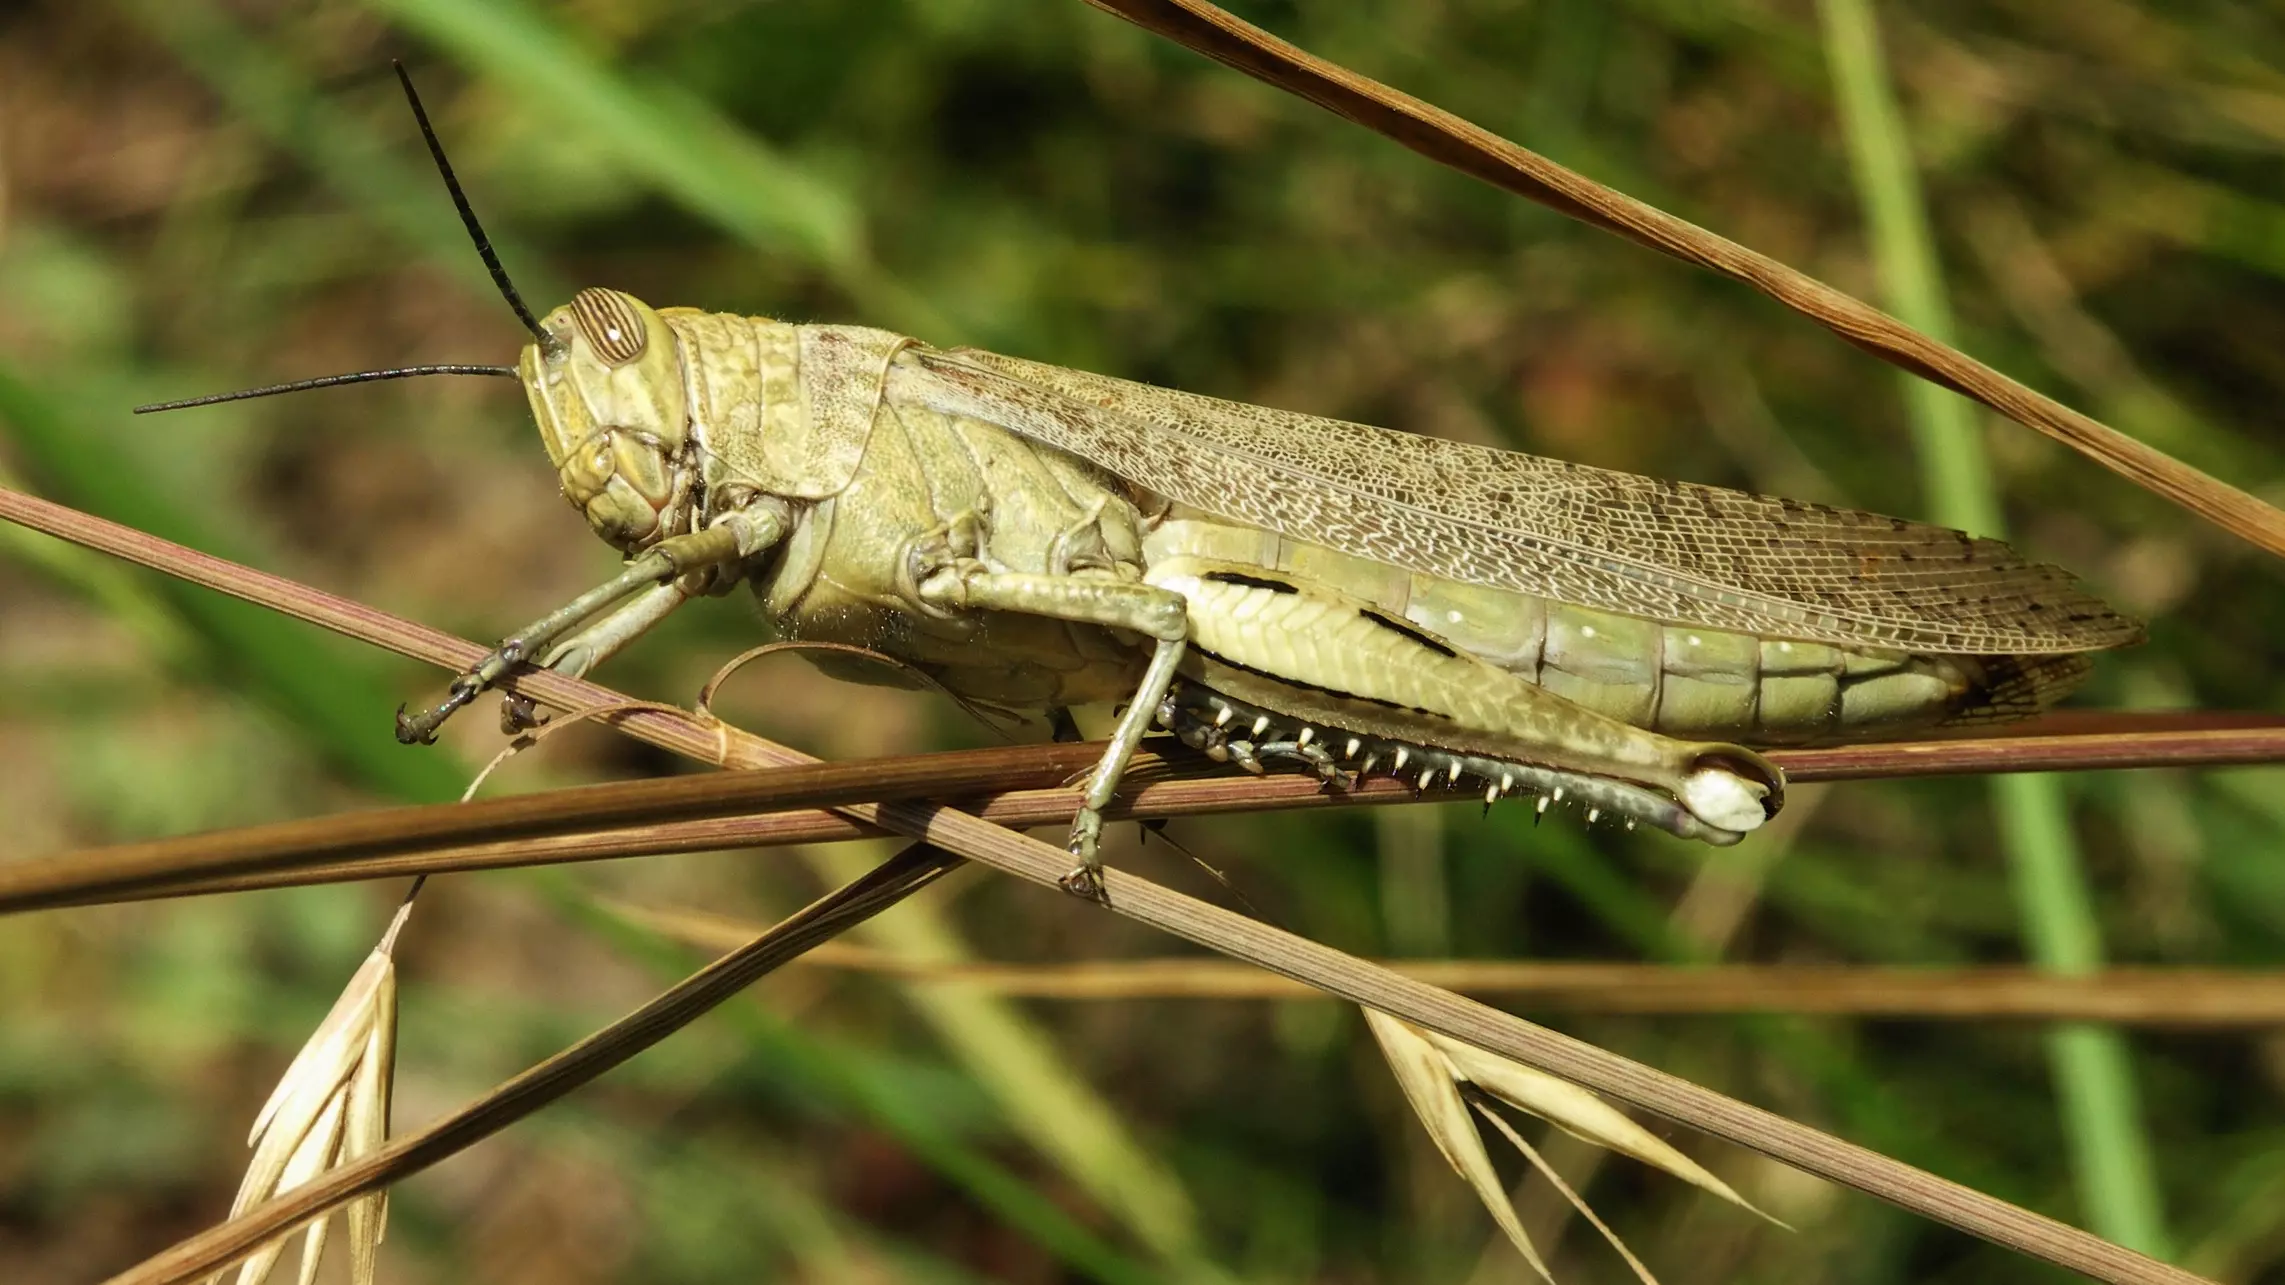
1273	588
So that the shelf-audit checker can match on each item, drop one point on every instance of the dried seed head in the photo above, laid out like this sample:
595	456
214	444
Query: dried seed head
1441	1077
331	1107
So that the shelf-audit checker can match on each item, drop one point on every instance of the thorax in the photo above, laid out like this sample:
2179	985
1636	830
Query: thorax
846	572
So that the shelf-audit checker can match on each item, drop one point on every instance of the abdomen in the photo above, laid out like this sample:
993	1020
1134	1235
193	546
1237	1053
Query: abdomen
1679	680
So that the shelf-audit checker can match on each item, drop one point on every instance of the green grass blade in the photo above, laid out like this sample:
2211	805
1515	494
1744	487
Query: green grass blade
747	189
2110	1155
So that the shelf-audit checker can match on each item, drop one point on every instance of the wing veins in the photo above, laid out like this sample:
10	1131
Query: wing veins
1713	525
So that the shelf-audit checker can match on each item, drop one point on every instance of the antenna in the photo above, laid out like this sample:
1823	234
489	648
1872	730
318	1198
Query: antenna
330	381
548	343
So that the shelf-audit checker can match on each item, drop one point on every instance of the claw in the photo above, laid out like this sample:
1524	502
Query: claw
414	731
518	714
1086	882
420	729
1086	878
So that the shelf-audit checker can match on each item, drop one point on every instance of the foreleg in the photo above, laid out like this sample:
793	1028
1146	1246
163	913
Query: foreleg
733	538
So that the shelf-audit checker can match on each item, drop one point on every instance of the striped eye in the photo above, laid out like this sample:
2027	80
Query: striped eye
611	325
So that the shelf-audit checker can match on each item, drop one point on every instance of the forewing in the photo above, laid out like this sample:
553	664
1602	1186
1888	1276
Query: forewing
1670	551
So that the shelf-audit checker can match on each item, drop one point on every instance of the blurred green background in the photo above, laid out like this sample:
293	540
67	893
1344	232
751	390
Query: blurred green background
197	196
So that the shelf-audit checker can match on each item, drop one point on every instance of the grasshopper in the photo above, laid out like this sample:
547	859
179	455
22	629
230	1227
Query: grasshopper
1271	587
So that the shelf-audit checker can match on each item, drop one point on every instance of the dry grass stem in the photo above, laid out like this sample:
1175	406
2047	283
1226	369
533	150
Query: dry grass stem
42	881
553	826
1445	138
1321	966
217	1247
2181	998
1620	1079
686	814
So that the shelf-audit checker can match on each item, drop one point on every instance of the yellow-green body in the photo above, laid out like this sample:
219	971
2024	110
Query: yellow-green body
840	577
1265	584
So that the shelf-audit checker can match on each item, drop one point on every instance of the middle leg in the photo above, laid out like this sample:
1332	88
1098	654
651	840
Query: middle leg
1085	597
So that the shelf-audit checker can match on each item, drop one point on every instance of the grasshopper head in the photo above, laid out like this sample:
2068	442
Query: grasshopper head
608	395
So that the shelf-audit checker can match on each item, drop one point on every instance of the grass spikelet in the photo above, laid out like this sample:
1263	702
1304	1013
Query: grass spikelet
1555	1180
1442	1076
330	1108
1433	1089
1575	1111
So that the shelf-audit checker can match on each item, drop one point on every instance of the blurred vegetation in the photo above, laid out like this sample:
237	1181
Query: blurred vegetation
197	196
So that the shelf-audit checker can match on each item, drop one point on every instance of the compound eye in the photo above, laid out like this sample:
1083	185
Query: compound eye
611	325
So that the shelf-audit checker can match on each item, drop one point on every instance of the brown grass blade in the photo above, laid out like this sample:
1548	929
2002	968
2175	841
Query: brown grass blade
1625	1081
890	882
687	814
1321	966
686	734
1445	138
40	882
2054	744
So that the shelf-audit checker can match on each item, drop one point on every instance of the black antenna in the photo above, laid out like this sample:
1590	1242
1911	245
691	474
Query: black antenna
548	343
330	381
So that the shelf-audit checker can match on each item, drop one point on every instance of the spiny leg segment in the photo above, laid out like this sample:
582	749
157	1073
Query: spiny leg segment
1235	731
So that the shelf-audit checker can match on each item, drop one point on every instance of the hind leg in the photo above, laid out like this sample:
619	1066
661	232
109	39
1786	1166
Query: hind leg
1328	666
